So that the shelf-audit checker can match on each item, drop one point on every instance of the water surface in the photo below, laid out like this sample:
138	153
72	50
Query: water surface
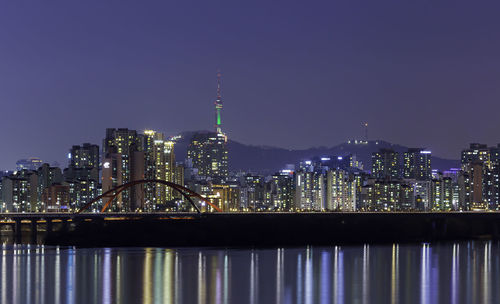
465	272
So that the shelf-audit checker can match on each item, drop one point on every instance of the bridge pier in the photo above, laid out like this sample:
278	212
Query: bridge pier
17	231
34	231
48	225
64	225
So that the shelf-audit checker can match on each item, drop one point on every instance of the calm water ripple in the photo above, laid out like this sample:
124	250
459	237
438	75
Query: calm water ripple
465	272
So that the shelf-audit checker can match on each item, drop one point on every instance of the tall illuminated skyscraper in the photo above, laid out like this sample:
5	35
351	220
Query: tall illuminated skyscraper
476	153
417	164
82	174
208	152
159	164
385	164
123	162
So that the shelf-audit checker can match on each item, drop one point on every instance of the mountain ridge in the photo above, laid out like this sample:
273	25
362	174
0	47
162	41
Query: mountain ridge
267	159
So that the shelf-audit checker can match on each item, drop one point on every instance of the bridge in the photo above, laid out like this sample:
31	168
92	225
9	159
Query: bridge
105	228
249	228
41	221
65	219
113	193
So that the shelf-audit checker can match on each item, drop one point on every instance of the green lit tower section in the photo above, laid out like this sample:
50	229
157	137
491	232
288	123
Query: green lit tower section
218	105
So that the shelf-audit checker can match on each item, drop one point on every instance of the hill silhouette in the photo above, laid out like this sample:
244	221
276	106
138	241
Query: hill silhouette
267	160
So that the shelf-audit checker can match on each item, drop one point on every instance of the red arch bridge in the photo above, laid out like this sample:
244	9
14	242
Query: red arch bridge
61	221
112	194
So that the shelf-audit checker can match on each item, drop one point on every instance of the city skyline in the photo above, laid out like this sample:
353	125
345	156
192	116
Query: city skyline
63	160
250	151
133	163
294	78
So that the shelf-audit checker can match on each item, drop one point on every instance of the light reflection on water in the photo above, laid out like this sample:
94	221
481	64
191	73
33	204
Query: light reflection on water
466	272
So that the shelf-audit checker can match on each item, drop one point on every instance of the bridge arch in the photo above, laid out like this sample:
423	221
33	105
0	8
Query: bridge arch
113	193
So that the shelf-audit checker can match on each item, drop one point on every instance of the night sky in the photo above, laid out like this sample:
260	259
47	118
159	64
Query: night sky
296	74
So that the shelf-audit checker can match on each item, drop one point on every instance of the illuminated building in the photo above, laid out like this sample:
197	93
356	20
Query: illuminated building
159	164
338	194
442	194
417	164
464	187
55	198
476	153
20	192
309	190
407	197
82	174
208	153
349	162
82	191
387	195
252	192
330	183
84	156
357	181
32	163
385	164
495	154
282	191
123	162
47	176
226	197
178	178
476	174
481	178
491	188
422	193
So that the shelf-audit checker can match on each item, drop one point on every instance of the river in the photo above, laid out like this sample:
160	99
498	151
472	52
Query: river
462	272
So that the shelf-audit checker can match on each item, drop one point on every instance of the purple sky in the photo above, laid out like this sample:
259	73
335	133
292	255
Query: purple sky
296	73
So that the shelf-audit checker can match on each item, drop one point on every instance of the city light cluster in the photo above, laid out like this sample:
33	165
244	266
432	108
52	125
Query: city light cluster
393	182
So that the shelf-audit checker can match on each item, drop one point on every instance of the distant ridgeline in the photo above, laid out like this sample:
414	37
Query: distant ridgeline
263	159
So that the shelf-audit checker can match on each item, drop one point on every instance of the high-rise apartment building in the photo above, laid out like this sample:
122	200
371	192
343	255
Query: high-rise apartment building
480	177
82	174
385	164
84	156
442	194
282	191
387	195
338	196
491	188
48	176
417	164
159	164
123	162
208	152
20	192
309	190
476	153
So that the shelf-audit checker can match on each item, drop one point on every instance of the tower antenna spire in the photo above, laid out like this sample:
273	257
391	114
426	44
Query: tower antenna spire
365	125
219	81
218	104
